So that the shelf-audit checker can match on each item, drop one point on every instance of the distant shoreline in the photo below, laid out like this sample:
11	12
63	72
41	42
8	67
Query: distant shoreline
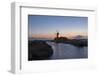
75	42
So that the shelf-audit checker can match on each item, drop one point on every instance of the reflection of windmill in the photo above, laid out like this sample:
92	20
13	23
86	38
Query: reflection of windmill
57	45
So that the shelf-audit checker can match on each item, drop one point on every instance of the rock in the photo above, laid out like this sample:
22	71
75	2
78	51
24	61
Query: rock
75	42
61	39
39	50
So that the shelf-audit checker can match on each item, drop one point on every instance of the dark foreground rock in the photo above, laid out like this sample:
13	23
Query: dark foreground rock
39	50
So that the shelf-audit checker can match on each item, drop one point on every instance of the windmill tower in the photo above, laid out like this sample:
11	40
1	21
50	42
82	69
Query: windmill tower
57	34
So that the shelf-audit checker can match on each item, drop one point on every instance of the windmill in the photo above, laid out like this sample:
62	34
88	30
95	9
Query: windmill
57	34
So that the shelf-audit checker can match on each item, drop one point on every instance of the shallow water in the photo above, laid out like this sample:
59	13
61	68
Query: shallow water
67	51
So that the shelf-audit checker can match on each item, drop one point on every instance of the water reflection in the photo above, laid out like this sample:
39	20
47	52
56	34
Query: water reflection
67	51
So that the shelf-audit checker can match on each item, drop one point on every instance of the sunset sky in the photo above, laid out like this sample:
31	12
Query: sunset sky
43	26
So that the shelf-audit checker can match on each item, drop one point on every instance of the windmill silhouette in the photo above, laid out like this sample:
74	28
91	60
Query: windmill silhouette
57	34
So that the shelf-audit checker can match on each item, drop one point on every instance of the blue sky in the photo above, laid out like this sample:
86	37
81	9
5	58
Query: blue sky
43	25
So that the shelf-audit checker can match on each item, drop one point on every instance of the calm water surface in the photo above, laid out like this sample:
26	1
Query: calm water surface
67	51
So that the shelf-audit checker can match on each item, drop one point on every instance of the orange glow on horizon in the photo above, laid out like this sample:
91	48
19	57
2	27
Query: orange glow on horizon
69	35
